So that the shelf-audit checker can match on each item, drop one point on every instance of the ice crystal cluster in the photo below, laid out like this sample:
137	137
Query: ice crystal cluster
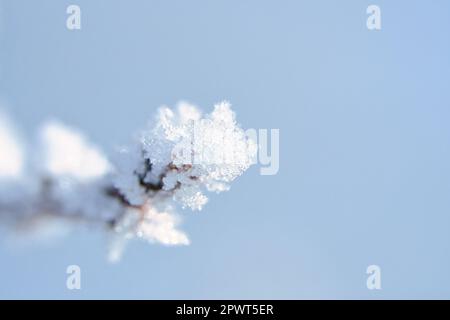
176	161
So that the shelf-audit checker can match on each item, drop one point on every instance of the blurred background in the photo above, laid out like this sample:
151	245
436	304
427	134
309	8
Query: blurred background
365	142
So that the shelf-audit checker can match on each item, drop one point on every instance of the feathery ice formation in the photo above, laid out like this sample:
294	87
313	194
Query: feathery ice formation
181	156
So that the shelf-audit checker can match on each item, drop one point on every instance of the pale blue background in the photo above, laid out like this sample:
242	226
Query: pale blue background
365	141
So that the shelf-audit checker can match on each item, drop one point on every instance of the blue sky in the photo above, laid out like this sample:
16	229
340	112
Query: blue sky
364	141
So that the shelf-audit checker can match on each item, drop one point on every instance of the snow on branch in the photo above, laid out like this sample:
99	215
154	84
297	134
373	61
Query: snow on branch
133	195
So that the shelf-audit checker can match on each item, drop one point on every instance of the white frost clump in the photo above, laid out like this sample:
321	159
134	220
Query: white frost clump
189	153
68	153
11	152
180	157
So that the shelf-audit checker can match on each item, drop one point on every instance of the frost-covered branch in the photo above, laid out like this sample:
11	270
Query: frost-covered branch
182	155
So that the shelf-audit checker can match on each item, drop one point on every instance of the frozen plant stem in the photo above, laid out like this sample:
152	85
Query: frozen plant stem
182	155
